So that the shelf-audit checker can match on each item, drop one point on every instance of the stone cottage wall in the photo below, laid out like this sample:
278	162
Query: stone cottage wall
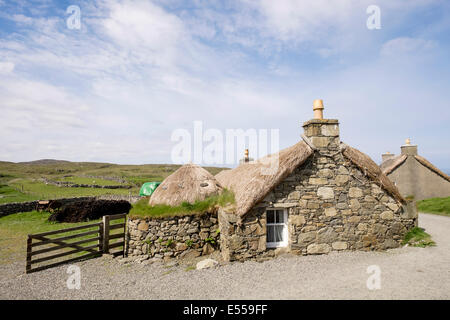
173	237
331	206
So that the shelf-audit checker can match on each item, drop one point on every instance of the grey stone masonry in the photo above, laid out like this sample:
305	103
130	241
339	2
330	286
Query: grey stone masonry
173	237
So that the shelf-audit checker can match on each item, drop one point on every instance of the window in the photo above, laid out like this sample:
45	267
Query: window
277	230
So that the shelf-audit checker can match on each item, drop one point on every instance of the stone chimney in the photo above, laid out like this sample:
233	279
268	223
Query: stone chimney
387	156
408	148
322	133
246	157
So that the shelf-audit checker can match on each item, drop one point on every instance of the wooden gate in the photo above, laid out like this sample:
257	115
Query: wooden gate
92	240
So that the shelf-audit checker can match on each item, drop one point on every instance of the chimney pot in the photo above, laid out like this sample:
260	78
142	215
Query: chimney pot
318	109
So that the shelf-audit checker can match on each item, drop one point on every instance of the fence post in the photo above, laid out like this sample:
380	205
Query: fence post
105	234
28	267
101	231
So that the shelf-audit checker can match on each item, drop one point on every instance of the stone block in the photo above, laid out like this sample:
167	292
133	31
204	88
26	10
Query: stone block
330	130
387	215
330	212
325	173
297	220
325	192
320	142
295	195
143	226
341	179
354	204
339	245
306	237
317	181
316	248
355	192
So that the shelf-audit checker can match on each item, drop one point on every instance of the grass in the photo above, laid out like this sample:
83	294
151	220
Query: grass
417	237
440	206
40	190
90	181
142	209
15	228
10	194
15	176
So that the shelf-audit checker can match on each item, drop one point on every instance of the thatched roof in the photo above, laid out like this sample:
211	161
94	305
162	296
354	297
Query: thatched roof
371	169
250	185
430	166
187	184
252	181
391	164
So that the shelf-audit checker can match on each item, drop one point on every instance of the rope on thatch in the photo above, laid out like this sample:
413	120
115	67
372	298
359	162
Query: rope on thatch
187	184
430	166
388	166
371	170
251	182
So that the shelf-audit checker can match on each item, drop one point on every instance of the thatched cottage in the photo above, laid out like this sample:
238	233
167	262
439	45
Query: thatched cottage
317	196
324	196
414	175
188	183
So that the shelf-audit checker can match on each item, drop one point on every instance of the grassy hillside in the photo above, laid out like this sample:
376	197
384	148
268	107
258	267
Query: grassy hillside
439	206
23	181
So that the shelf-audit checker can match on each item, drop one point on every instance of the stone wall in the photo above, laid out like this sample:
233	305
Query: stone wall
173	237
68	184
331	205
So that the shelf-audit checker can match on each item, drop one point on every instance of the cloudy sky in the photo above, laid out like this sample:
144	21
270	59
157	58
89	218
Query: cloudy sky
117	88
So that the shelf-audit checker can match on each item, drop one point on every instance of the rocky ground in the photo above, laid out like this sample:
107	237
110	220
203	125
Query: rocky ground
406	273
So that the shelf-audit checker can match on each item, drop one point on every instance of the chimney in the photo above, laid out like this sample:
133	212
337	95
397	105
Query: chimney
408	148
246	159
322	133
387	156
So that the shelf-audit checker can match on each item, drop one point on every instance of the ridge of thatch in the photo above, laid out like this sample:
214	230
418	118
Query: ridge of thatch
252	181
187	184
430	166
371	169
391	164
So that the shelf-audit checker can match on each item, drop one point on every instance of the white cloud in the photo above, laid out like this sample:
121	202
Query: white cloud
406	46
6	67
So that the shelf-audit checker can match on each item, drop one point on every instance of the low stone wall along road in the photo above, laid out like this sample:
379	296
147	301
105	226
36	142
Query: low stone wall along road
406	273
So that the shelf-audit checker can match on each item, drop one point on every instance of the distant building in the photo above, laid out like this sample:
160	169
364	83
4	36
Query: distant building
414	175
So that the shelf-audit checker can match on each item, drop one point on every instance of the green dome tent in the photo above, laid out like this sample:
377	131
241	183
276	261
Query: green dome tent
148	188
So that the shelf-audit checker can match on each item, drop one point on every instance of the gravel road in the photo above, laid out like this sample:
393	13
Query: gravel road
406	273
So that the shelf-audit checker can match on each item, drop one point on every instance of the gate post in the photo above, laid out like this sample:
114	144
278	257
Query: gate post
105	234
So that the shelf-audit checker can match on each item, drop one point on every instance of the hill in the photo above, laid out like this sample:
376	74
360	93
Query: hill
25	181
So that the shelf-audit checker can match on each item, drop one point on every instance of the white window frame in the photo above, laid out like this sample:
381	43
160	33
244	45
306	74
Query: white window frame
285	233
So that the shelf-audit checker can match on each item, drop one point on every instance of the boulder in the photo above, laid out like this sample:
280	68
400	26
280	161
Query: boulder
207	263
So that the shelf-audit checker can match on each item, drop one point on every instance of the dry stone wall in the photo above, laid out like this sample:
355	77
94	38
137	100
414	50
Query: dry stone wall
173	237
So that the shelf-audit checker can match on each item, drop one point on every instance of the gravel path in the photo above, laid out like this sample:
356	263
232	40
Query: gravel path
406	273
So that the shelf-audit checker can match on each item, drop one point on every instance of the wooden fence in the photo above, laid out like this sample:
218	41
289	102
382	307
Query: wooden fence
97	238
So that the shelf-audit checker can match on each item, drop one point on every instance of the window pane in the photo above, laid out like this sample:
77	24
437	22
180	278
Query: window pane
270	216
280	216
279	233
270	234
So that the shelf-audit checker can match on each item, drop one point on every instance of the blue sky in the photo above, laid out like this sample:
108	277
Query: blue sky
116	89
